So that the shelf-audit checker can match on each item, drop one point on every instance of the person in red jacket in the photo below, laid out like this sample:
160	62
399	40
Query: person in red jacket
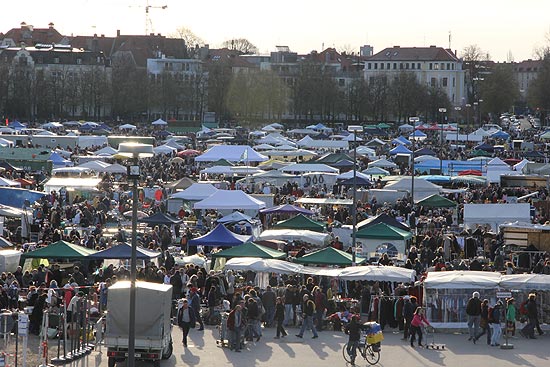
417	322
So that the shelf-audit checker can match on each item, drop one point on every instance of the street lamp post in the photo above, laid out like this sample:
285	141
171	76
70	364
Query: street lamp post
354	129
135	151
457	109
413	121
442	111
479	111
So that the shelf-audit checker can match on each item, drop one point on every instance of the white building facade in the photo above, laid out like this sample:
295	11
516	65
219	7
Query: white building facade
433	66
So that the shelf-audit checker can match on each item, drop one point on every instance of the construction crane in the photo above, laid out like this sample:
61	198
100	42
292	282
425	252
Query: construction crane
148	23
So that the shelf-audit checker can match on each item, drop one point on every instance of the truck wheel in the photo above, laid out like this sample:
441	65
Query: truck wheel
169	351
156	363
111	362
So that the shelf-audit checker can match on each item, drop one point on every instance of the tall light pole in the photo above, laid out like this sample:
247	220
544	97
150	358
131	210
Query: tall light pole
479	111
354	129
134	151
442	111
457	109
413	121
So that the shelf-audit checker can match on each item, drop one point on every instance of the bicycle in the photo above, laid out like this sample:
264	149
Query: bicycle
369	352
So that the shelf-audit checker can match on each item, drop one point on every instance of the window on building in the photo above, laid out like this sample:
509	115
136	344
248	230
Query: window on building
388	66
433	82
442	66
382	66
454	82
79	61
56	60
453	66
418	66
407	66
436	66
444	82
431	66
400	66
375	65
394	66
369	66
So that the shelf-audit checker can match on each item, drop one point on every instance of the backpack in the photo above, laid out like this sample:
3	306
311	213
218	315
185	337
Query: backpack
523	308
490	317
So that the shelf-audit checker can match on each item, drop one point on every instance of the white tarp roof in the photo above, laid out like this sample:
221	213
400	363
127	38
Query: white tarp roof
309	167
312	237
495	214
232	153
229	199
324	144
195	192
422	188
525	282
463	279
324	201
383	163
378	273
218	170
116	168
263	265
349	174
72	183
164	149
98	166
107	150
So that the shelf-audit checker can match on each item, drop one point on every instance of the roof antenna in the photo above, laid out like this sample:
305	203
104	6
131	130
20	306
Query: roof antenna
450	40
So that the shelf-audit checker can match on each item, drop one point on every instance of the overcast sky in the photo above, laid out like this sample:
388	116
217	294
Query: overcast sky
496	26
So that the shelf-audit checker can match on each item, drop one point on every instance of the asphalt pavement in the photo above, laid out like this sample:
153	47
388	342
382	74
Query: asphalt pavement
327	351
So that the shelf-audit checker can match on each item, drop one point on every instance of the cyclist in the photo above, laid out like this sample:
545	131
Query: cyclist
353	329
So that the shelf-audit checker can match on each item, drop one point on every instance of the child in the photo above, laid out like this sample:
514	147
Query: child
417	322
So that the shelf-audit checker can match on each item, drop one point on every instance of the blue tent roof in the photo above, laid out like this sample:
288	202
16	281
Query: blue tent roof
400	149
16	125
484	146
16	197
123	251
220	237
401	140
58	160
235	217
500	135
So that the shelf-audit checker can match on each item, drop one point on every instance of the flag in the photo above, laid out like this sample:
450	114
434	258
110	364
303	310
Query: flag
244	155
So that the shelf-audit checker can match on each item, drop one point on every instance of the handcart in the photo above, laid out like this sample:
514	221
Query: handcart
430	343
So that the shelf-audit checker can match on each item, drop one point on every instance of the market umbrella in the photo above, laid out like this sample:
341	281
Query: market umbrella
188	153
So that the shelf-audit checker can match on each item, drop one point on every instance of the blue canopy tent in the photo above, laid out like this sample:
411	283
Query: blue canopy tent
484	146
424	151
401	140
400	149
123	251
501	135
359	181
417	134
436	179
220	237
16	125
159	218
59	161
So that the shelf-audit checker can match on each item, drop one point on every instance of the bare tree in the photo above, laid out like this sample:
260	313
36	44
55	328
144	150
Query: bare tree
192	41
346	49
475	60
242	45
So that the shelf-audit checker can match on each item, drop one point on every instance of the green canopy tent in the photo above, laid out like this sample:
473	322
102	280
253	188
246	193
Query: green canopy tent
480	153
250	249
383	238
222	162
437	201
60	250
329	256
383	125
301	222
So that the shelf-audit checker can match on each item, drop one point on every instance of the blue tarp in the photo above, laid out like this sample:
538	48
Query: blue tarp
16	197
123	251
220	237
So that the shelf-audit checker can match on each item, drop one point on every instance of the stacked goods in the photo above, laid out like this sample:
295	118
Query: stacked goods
374	333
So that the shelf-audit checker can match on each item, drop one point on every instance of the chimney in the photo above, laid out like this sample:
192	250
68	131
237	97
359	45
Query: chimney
50	25
23	25
118	32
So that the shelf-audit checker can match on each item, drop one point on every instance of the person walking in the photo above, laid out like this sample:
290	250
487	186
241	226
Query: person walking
510	316
235	325
495	319
308	312
473	310
417	322
528	330
279	318
195	304
408	314
186	319
484	324
320	307
269	303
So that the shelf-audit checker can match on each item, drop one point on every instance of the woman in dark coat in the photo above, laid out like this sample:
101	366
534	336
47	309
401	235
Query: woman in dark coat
280	317
35	320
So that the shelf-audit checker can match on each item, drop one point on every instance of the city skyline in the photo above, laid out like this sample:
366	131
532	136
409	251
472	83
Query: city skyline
306	25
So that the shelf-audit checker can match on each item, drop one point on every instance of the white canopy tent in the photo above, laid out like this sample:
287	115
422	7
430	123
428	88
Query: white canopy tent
378	273
315	238
164	149
526	282
127	127
263	265
230	199
159	122
309	167
382	163
232	153
195	192
462	279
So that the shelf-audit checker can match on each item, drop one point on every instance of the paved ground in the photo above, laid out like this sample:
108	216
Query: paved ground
327	351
